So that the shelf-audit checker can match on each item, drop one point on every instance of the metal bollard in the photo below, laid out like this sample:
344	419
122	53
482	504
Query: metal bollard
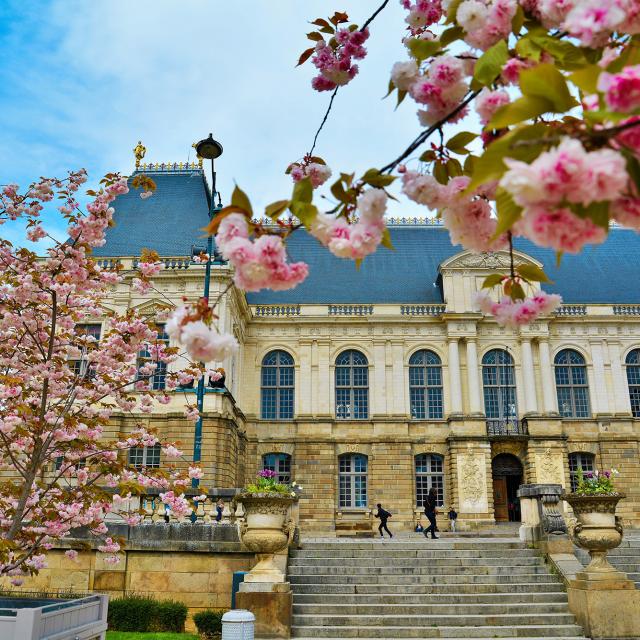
238	624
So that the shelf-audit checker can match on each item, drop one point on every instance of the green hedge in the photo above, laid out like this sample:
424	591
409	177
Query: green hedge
142	613
209	622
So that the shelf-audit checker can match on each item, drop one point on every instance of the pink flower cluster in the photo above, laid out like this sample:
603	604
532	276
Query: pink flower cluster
488	102
514	313
486	22
621	90
316	172
468	218
422	13
179	505
261	264
440	89
354	241
335	65
566	174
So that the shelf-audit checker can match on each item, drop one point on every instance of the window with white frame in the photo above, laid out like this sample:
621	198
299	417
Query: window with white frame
429	474
499	386
158	379
425	385
581	461
277	386
352	475
80	366
352	386
571	384
633	380
145	457
279	463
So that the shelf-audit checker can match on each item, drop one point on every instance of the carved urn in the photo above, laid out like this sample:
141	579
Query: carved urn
266	531
597	528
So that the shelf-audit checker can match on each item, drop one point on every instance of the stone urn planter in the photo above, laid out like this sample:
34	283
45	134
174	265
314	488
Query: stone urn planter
597	528
266	531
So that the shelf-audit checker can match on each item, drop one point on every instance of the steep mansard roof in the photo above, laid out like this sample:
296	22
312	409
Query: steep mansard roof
170	222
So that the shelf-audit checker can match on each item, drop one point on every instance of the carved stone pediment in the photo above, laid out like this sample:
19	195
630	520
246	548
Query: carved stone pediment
486	261
153	307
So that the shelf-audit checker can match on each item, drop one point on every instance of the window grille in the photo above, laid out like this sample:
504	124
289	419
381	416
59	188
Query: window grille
280	463
158	379
584	461
145	457
80	367
277	386
429	473
425	385
352	386
353	480
498	380
571	384
633	380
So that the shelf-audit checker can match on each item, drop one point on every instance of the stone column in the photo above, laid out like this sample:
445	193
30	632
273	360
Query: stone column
400	408
473	376
326	385
378	382
528	375
622	404
598	384
303	383
455	390
549	400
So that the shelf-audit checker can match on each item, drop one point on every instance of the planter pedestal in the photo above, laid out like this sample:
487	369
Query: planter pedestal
272	605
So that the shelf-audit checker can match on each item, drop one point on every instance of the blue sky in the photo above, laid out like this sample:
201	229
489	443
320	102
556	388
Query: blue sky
82	81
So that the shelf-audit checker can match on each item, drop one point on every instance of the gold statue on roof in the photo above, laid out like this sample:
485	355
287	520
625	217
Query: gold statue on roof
139	152
200	159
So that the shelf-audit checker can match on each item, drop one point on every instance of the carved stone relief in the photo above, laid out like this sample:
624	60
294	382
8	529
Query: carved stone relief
550	467
275	447
472	482
352	447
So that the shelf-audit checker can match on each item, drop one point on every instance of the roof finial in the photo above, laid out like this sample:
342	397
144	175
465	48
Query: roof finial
194	145
139	152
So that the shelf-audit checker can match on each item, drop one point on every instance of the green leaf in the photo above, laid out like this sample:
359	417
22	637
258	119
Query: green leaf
315	36
633	167
240	199
532	273
391	89
490	166
454	168
428	156
517	292
276	209
545	81
304	211
460	141
629	56
586	78
440	173
493	280
451	35
518	20
490	64
338	191
402	94
566	53
374	178
527	48
386	240
453	10
469	164
524	108
597	212
303	191
508	211
423	49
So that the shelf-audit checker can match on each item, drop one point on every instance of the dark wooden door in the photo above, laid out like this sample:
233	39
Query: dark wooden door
500	500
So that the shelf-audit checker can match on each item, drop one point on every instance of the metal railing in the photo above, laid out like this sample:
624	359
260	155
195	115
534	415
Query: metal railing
278	310
506	427
626	309
572	310
422	309
350	309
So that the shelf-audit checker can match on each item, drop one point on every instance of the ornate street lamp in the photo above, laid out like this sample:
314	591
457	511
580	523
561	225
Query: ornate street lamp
209	149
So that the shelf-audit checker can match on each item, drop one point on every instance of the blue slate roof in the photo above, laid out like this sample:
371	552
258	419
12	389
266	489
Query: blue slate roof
170	222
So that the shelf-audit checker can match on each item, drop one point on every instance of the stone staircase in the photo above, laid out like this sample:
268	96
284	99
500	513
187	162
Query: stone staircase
418	588
625	558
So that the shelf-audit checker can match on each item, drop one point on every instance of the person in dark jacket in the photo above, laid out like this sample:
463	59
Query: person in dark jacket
384	516
430	511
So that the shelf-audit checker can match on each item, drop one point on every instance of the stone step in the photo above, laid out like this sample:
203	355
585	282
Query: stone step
539	631
413	562
474	610
415	552
420	570
550	585
549	597
412	578
423	543
425	621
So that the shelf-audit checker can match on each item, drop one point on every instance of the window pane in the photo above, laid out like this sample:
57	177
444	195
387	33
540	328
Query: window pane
286	404
418	410
360	404
436	406
269	404
343	377
269	376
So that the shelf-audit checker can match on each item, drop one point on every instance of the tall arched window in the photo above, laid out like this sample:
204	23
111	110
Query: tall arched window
277	386
352	386
425	385
584	462
633	380
158	379
571	384
429	473
498	379
280	463
352	475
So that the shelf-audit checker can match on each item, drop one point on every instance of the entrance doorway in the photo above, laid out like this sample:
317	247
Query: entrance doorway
507	477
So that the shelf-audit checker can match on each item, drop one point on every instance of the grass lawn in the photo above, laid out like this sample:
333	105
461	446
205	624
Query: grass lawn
153	635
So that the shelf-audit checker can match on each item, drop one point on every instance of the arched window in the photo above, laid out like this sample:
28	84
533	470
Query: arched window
571	384
633	380
277	386
352	475
580	462
280	463
425	385
352	386
158	379
498	380
429	473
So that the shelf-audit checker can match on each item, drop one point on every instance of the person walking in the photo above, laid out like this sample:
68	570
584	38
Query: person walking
430	511
384	516
453	516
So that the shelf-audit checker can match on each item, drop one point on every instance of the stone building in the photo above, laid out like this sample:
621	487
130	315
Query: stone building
373	385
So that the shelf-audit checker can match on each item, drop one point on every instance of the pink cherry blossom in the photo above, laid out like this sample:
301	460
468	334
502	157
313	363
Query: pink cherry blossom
317	173
488	102
621	90
515	313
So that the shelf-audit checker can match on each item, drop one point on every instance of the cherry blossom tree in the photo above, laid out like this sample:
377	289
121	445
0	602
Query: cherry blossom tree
528	113
59	385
